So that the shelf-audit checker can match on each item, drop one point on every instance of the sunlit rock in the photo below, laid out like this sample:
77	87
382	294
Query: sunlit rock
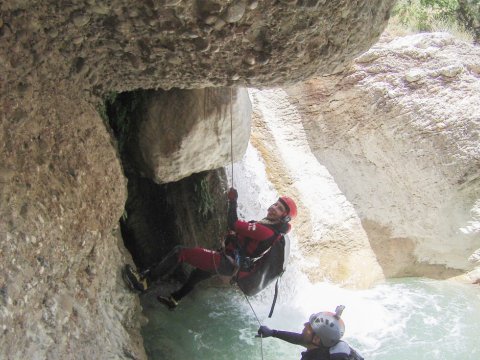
400	133
332	243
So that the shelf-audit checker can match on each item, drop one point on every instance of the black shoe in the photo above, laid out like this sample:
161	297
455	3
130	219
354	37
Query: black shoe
133	279
169	302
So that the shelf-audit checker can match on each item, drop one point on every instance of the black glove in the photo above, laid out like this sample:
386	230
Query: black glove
232	194
265	331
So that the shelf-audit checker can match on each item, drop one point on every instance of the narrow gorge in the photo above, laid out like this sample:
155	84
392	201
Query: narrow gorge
120	122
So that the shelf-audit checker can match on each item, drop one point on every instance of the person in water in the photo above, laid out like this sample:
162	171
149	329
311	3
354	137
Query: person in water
321	336
247	242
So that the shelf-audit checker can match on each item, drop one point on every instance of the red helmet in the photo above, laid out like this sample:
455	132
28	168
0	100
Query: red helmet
290	206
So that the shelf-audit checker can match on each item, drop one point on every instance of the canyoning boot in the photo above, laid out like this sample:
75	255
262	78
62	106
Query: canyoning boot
133	279
168	301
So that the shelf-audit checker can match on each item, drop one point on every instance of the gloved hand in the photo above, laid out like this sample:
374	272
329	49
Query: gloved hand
265	331
232	194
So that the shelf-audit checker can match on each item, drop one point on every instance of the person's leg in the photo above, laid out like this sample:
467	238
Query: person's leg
168	264
196	276
204	259
207	263
142	281
201	258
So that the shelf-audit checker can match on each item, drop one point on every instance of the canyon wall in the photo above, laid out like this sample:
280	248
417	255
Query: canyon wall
399	131
122	45
332	243
62	184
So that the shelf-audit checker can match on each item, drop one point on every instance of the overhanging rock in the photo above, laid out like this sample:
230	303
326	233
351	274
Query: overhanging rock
182	132
123	45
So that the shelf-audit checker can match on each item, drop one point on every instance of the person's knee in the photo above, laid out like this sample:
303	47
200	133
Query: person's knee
177	249
176	252
226	267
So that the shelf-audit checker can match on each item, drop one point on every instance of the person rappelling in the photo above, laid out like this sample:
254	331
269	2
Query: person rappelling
253	254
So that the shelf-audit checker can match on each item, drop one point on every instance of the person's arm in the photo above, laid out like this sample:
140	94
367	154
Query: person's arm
232	216
339	357
291	337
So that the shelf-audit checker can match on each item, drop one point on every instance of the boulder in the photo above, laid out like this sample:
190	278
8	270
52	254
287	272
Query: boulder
181	132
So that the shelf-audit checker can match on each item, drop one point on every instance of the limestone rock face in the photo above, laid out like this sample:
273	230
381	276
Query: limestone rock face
400	132
332	242
187	131
123	45
62	189
62	193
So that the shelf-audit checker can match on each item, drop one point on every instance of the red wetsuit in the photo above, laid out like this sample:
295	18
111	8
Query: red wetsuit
254	239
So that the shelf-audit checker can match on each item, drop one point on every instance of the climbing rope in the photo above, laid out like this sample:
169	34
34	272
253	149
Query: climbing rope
231	131
251	307
249	304
231	159
258	320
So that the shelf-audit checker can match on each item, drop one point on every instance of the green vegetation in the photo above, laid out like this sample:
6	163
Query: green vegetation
204	199
107	101
453	16
468	13
119	112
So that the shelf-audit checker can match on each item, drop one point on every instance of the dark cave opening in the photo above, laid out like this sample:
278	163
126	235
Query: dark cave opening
157	217
147	222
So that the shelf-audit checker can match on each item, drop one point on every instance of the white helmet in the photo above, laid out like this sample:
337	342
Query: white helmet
328	326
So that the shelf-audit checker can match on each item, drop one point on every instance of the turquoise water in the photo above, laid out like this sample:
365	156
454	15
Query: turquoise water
398	320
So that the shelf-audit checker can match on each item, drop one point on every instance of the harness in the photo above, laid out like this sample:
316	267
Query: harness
244	263
253	273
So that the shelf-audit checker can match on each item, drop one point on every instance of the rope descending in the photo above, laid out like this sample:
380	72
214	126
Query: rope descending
231	131
231	160
259	323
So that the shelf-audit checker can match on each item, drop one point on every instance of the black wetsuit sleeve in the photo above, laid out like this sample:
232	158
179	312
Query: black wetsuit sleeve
232	216
291	337
339	357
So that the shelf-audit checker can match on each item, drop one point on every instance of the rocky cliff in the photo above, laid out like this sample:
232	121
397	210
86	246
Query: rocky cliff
399	131
63	188
123	45
331	240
